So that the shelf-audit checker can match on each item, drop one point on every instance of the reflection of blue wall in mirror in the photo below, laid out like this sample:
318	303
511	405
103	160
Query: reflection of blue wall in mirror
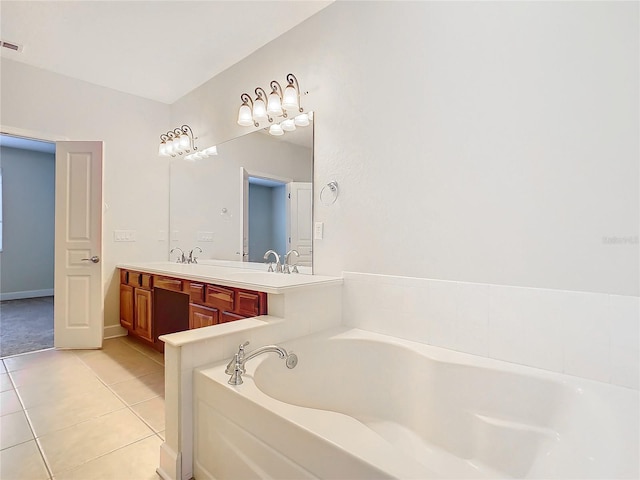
267	221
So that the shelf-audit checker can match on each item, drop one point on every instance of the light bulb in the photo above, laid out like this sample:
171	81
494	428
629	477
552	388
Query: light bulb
259	110
276	130
302	120
274	107
288	125
244	116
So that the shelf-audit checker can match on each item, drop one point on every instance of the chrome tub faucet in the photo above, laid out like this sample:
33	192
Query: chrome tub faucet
236	367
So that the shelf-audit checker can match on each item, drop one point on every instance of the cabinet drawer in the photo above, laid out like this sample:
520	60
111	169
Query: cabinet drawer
136	279
200	316
195	291
248	304
168	283
220	298
225	317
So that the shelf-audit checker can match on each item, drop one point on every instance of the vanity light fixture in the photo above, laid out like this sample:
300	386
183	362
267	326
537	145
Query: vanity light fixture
267	108
206	153
178	141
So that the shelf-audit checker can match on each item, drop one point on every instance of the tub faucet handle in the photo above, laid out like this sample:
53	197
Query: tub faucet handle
241	350
236	374
237	360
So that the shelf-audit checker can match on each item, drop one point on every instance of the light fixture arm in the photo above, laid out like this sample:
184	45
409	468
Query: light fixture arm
291	79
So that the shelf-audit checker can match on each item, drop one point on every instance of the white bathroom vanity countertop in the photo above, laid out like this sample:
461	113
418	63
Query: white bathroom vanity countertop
250	276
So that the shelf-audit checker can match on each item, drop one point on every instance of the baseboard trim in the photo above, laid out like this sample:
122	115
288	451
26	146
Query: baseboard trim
113	331
26	294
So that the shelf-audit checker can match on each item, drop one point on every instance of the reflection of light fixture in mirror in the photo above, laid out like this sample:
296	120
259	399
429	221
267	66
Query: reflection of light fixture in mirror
176	142
301	120
276	129
288	125
266	108
207	152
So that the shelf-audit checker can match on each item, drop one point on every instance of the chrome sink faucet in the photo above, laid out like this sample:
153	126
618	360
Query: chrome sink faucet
192	258
277	257
236	368
181	257
285	268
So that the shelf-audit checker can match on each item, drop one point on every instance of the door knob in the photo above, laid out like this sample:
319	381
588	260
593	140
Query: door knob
94	259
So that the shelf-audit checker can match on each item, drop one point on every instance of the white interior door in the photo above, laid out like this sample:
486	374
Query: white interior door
78	306
300	214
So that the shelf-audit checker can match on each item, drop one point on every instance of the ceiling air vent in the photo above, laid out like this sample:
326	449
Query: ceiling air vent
11	46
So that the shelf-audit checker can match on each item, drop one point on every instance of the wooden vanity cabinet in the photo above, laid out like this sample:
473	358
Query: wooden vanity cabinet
154	305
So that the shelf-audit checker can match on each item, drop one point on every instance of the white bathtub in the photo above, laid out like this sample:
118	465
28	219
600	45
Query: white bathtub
363	405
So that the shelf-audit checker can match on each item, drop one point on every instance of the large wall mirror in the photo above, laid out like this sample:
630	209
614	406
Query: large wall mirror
255	195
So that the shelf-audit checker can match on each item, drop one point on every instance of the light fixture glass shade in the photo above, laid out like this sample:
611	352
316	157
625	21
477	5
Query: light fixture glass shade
259	110
169	147
162	150
177	148
211	151
244	116
276	130
274	107
310	114
290	98
288	125
185	142
302	120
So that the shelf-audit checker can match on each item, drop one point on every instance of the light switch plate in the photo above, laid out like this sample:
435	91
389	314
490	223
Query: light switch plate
205	236
124	235
318	231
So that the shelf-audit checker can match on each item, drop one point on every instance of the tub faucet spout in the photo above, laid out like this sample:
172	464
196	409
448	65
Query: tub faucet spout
236	367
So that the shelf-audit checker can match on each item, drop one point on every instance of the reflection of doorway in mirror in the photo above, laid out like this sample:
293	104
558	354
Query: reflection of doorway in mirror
267	218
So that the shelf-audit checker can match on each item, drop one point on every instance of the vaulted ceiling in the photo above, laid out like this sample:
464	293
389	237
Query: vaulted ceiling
159	50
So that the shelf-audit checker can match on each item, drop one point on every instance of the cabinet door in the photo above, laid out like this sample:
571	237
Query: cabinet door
143	317
200	316
126	306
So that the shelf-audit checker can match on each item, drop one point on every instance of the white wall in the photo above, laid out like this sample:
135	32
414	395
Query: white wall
28	193
136	180
491	142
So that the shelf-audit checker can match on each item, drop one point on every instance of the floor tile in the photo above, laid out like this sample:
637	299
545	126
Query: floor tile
3	369
73	446
38	393
22	462
131	462
14	429
73	409
69	370
9	402
140	389
162	435
5	382
114	370
46	357
152	412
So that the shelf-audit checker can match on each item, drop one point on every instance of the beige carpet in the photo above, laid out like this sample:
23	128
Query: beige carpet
26	325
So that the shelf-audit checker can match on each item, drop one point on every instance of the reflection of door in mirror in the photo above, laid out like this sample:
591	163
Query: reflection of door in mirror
267	218
300	213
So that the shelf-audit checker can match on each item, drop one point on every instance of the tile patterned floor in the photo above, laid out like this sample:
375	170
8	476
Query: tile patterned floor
84	414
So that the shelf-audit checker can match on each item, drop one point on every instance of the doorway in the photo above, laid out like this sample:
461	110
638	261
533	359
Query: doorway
27	226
